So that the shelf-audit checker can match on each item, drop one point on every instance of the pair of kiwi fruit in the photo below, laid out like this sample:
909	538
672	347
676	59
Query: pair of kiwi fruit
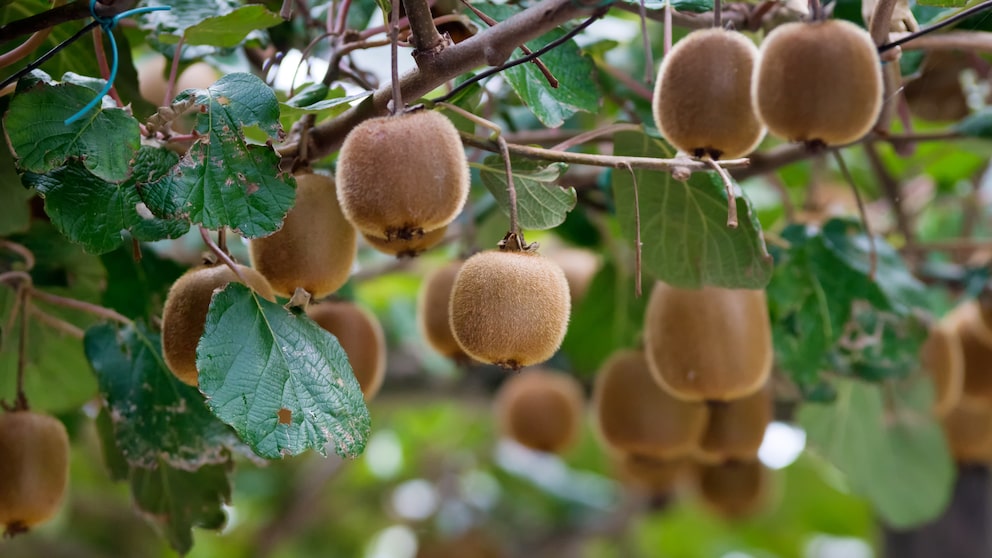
399	178
34	469
819	83
541	409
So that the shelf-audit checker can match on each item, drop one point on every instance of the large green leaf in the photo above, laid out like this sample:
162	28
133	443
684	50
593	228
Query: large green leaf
541	204
156	417
889	445
73	196
221	23
686	241
230	29
577	87
223	180
104	140
279	379
136	287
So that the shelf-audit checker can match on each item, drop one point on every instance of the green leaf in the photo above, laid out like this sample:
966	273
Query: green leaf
137	287
156	417
317	99
78	57
104	140
541	204
977	125
692	6
177	500
895	456
168	26
223	180
944	3
230	29
686	241
113	459
14	209
577	87
73	196
278	378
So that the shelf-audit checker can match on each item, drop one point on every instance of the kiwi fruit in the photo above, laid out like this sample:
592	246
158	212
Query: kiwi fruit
580	266
942	357
361	337
936	93
634	415
708	344
185	314
733	490
702	96
737	428
152	78
654	475
541	410
968	428
399	176
976	348
509	308
34	469
432	310
316	246
819	83
407	247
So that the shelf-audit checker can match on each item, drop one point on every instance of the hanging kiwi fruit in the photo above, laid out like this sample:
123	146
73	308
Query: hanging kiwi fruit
184	316
634	415
708	344
509	307
433	317
659	477
399	176
819	83
733	490
942	357
702	96
976	348
34	469
315	248
968	428
361	337
737	428
541	410
407	247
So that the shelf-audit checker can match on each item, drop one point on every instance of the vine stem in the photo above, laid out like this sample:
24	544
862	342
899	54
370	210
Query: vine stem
21	251
55	323
84	306
394	38
511	191
637	234
21	403
872	251
25	48
728	185
101	59
221	254
170	85
717	13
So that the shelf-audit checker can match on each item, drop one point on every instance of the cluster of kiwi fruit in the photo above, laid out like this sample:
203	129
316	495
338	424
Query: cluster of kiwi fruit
819	83
34	469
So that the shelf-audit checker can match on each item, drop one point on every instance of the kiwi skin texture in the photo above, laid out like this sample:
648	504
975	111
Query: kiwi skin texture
34	469
407	247
708	344
634	415
185	314
509	308
733	490
819	83
541	410
361	337
316	246
702	96
968	428
737	428
399	176
432	310
942	357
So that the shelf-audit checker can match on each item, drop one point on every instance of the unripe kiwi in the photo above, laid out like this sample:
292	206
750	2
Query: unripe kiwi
709	343
432	310
737	428
34	469
509	308
702	97
657	476
733	490
315	248
399	176
541	410
968	428
942	357
407	247
185	313
966	322
818	83
634	415
361	337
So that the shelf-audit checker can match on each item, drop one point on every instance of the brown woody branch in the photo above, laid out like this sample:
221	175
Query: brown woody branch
79	9
424	37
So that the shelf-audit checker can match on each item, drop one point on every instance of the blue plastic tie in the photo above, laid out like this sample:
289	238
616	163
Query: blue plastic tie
108	24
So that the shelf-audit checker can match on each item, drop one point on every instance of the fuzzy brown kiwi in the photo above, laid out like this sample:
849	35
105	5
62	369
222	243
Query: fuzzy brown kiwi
968	428
540	409
942	357
185	313
819	83
966	322
432	310
509	308
315	248
34	469
736	428
733	490
654	475
634	415
936	93
702	96
361	337
407	247
399	176
708	344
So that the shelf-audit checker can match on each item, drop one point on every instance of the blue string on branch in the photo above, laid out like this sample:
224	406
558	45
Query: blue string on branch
108	24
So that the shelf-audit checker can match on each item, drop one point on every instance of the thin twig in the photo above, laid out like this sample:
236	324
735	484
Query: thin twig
511	191
717	13
648	56
286	11
552	80
595	133
170	86
872	252
14	278
75	304
21	251
728	185
637	234
21	402
394	37
221	254
57	324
